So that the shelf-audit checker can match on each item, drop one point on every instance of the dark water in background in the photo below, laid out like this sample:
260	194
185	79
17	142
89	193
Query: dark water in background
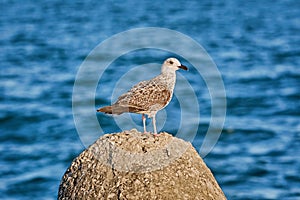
254	44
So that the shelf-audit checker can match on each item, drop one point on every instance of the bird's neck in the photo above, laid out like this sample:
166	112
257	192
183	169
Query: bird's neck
169	78
169	74
167	70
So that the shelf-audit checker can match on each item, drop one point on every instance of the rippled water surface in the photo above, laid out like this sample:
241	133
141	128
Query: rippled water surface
255	45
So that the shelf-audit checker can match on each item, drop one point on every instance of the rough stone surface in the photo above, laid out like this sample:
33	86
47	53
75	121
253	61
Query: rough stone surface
133	165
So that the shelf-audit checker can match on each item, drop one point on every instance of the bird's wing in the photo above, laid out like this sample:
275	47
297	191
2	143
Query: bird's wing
145	96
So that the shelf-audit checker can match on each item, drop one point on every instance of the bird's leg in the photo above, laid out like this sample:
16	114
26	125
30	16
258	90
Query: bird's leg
144	123
154	125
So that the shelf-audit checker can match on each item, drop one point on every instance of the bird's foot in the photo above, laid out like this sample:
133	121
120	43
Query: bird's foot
146	132
155	134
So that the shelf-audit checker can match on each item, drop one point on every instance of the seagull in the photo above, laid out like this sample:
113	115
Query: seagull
148	97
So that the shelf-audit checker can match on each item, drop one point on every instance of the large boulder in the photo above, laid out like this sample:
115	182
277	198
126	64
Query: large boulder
133	165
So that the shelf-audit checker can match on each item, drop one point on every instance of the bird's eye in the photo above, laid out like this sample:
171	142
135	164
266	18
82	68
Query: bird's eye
171	62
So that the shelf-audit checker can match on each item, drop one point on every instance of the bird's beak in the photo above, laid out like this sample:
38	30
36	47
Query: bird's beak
183	67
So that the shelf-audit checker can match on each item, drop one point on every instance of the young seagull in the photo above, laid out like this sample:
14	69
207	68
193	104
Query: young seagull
148	97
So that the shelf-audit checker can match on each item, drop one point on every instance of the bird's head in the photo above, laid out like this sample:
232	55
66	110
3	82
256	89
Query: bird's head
172	64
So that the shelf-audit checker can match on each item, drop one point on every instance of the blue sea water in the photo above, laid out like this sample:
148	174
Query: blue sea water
255	45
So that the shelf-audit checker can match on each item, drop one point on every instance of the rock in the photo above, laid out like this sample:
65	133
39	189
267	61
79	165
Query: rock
133	165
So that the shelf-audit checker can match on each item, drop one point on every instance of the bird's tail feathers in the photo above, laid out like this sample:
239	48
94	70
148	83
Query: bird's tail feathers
113	110
106	109
116	109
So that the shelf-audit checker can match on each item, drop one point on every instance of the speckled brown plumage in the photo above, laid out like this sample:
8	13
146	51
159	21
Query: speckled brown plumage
145	97
148	97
